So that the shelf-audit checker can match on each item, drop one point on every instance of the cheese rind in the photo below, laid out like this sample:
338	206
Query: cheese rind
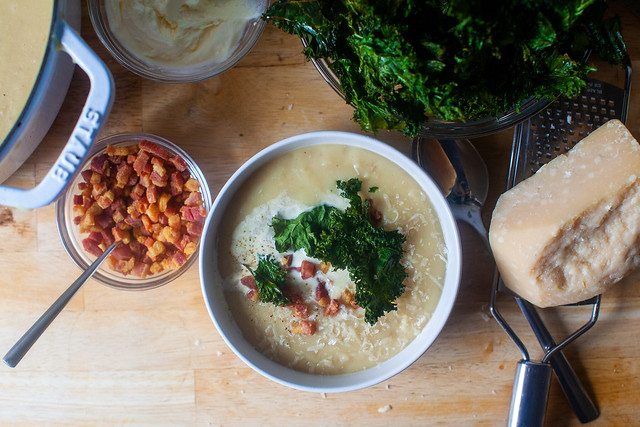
573	229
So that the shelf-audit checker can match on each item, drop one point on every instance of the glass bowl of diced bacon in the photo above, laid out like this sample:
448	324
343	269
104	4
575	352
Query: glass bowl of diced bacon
144	192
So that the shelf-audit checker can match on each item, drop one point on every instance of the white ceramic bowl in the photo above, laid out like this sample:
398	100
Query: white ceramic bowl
223	319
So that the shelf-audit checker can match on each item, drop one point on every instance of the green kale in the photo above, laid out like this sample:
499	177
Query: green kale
270	279
304	232
400	62
347	240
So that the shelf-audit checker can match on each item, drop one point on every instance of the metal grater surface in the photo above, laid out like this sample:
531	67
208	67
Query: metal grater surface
562	125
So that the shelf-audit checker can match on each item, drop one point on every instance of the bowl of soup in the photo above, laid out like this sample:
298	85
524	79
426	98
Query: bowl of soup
334	221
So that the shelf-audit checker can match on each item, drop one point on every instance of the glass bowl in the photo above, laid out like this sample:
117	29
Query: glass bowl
72	238
436	128
172	73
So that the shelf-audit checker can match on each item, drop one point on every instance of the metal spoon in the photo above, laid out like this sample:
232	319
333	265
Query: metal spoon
466	196
22	346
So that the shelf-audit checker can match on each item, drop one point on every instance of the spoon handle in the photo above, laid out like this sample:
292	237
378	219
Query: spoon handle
22	346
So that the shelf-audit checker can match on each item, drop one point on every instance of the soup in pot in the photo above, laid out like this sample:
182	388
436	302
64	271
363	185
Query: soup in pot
24	36
330	338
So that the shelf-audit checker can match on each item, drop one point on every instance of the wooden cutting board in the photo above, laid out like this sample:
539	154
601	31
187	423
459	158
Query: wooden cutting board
154	357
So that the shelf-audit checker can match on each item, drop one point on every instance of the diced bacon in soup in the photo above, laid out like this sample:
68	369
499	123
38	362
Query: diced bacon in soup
307	269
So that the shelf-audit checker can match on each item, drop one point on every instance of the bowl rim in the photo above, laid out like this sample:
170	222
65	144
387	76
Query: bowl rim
167	73
230	332
73	246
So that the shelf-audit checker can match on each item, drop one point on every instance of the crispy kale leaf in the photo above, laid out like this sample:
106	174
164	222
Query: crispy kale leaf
304	232
348	241
401	60
270	279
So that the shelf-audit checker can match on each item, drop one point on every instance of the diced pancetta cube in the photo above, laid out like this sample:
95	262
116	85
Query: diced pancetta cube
193	213
91	246
179	259
96	178
191	185
349	299
117	151
141	269
325	266
123	175
171	235
163	201
105	199
332	308
176	183
95	236
99	163
121	235
153	212
307	269
107	237
194	199
287	260
141	160
133	222
195	228
137	192
145	179
322	296
122	252
98	189
304	327
249	282
253	295
301	310
104	221
86	175
179	163
155	149
190	248
156	250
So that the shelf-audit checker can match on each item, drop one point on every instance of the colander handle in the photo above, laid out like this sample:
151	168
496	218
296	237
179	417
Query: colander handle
529	395
94	114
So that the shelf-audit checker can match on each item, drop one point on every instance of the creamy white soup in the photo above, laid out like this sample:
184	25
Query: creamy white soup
341	342
24	35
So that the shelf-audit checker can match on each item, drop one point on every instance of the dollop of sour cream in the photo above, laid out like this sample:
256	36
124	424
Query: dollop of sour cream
181	32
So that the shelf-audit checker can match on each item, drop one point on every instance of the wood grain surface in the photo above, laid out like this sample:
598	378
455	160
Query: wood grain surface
154	357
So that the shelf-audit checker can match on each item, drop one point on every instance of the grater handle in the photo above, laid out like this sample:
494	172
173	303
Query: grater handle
577	396
529	394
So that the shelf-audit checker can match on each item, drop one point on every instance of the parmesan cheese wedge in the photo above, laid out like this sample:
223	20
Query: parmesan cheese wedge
573	229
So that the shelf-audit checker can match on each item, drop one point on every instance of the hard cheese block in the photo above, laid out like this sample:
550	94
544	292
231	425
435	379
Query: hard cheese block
573	229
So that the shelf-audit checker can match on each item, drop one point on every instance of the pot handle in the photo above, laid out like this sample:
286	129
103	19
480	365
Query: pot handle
94	114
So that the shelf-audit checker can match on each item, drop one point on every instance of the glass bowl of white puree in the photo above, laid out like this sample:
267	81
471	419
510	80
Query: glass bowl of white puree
179	41
341	352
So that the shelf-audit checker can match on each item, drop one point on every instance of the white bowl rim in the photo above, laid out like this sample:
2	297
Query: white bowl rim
385	370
